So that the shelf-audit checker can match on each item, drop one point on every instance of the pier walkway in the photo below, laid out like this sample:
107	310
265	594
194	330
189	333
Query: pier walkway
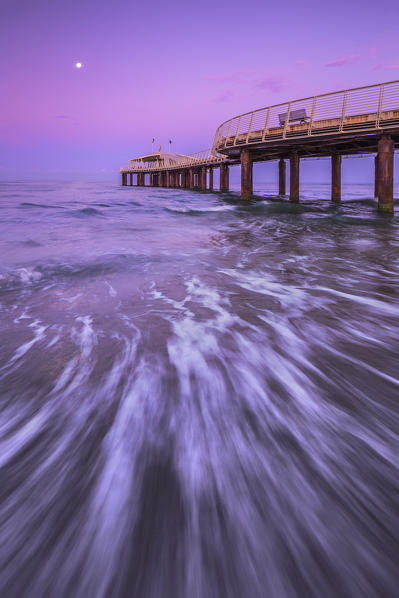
353	121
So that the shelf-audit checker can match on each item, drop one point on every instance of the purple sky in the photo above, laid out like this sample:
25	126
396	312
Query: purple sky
169	70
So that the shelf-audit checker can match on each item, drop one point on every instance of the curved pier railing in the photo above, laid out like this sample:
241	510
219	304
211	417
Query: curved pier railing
176	161
348	111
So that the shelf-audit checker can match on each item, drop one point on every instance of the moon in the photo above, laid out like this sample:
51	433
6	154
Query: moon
78	65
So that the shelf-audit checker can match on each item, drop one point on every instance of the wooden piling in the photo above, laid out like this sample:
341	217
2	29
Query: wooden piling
246	174
336	160
385	174
294	177
211	179
282	168
224	177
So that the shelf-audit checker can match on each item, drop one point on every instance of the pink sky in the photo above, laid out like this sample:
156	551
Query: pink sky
167	70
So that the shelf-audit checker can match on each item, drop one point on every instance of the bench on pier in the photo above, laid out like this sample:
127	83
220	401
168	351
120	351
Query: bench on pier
295	116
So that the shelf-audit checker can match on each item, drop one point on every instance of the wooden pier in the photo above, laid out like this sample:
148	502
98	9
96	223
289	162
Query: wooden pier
353	121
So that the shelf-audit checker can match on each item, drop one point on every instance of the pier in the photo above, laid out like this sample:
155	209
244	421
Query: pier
363	120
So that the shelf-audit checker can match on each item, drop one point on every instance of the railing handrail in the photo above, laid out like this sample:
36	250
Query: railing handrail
202	157
320	95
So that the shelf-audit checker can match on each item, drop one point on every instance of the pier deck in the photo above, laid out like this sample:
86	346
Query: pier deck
353	121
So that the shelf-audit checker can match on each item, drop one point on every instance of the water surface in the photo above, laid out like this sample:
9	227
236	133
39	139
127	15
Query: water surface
198	396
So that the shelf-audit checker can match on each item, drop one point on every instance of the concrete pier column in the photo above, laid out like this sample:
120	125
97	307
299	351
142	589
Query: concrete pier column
282	178
124	179
224	177
211	179
336	160
191	178
385	174
202	178
294	177
246	174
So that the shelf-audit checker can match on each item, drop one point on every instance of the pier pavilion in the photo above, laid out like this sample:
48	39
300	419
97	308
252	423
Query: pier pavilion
363	120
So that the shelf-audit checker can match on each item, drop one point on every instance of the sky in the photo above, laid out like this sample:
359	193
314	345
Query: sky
170	71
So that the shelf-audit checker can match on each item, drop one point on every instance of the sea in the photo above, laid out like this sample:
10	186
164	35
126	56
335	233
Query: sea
199	396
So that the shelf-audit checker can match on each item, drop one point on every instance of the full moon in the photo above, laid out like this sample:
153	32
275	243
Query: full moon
78	65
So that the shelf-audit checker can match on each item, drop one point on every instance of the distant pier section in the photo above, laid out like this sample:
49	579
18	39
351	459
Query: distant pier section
362	120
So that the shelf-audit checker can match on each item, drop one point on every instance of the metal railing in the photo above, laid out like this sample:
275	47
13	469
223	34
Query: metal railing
348	111
203	158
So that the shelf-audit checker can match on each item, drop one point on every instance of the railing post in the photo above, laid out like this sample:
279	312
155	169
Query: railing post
250	127
380	100
266	129
237	130
312	116
287	118
228	133
341	125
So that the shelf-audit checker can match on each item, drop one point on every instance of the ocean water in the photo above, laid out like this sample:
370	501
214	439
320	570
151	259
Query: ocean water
199	397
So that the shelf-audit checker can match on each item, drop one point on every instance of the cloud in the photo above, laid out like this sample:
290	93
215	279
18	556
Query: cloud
384	66
250	80
224	96
274	83
343	61
235	77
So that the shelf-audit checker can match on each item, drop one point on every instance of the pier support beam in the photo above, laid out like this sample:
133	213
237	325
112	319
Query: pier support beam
160	179
191	178
183	179
294	177
385	174
224	177
246	174
202	178
124	179
336	161
167	179
211	179
376	177
282	169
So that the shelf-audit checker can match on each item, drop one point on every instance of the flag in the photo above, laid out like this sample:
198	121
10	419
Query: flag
170	141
